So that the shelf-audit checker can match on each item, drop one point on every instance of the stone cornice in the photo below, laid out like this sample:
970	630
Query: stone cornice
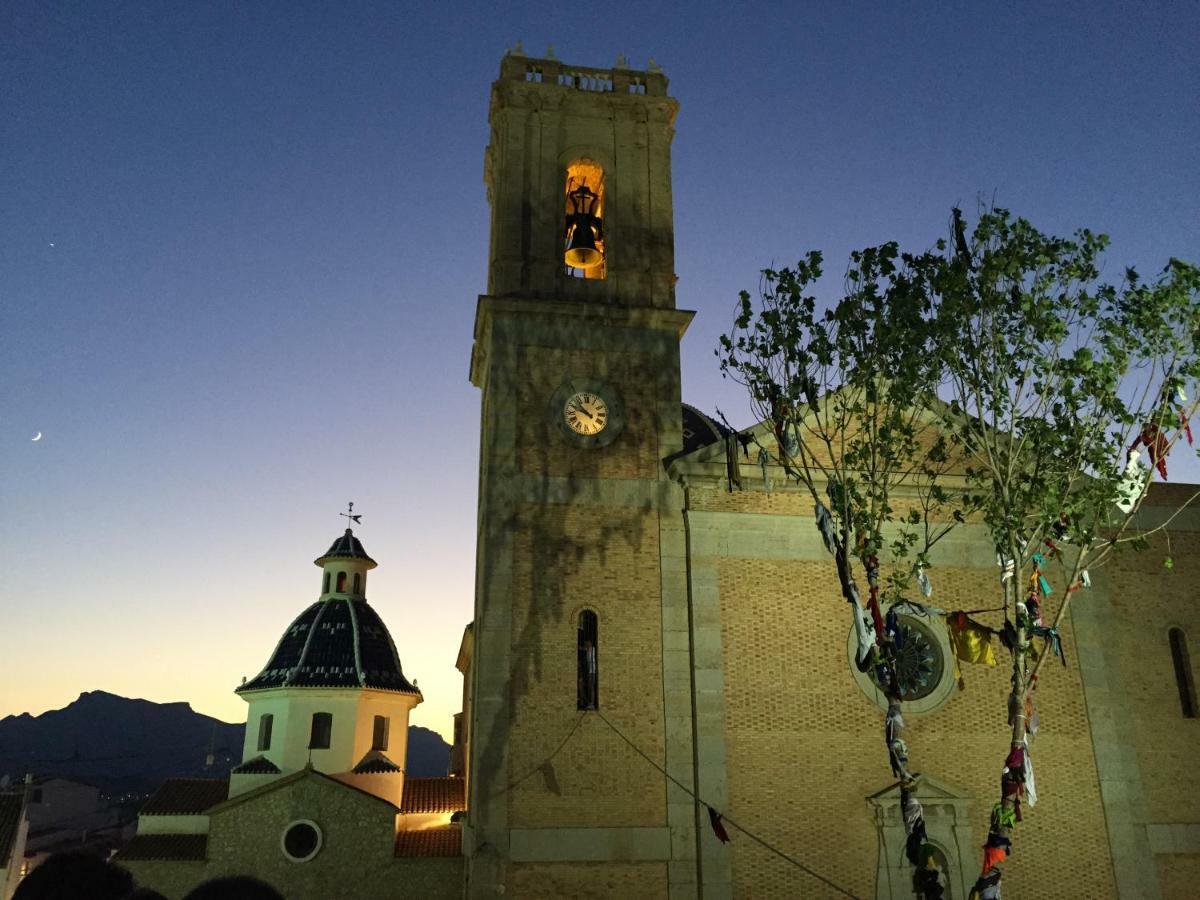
674	321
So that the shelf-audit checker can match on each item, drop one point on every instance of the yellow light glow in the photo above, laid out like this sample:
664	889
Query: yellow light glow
590	263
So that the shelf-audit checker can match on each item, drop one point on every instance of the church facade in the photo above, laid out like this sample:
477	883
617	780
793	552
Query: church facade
658	630
320	806
658	637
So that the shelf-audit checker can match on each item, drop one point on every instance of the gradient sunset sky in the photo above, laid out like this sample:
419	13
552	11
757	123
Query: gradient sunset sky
241	243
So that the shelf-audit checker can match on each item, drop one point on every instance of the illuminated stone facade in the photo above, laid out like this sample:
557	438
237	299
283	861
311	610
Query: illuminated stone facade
320	806
722	644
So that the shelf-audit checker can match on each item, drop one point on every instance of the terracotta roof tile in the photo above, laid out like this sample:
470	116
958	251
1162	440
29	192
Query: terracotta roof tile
10	824
433	795
165	846
444	841
186	796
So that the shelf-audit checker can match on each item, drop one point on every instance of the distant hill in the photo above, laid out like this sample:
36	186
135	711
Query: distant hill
128	746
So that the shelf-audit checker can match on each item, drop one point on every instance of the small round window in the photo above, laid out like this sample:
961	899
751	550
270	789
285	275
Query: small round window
924	663
919	662
301	840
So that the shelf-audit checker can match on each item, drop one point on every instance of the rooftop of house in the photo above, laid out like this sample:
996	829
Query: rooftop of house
10	824
164	847
433	795
443	841
186	796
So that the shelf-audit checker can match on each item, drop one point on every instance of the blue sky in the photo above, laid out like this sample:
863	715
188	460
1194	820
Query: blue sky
240	245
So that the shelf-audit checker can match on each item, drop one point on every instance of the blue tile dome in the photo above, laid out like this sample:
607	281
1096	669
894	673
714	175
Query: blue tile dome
338	642
346	547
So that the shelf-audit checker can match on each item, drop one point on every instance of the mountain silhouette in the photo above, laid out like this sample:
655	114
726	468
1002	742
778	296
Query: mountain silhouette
128	746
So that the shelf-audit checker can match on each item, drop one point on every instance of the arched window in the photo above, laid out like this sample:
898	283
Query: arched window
588	672
341	583
379	737
265	722
325	589
322	731
584	240
357	583
1183	672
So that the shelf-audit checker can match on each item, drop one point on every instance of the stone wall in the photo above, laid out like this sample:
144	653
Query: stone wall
357	856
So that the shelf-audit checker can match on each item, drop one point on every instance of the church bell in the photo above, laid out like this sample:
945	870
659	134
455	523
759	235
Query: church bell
583	230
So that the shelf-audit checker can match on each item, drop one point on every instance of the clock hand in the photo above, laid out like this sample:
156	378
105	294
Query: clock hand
582	410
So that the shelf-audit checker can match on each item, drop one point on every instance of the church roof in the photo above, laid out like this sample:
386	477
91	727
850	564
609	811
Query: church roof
164	846
699	430
10	824
433	795
444	841
337	642
346	547
286	781
260	765
185	796
375	763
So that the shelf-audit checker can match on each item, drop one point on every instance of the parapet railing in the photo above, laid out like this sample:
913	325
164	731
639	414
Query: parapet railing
583	78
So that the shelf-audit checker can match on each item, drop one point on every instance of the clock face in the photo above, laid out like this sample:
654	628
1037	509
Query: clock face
585	413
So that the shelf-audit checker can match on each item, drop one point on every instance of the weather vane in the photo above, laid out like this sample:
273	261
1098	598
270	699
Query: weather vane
356	519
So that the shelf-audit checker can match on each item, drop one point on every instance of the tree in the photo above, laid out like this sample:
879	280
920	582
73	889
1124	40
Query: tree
996	377
850	393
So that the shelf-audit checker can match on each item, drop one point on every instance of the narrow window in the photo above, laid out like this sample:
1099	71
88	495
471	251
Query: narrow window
264	731
584	253
379	740
341	583
589	684
325	589
1183	672
322	731
357	583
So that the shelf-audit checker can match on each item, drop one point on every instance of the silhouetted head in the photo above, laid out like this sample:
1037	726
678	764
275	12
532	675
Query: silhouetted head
77	875
237	887
144	893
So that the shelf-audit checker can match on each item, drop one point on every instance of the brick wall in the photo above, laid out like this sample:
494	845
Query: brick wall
588	881
1147	599
568	558
804	744
1179	875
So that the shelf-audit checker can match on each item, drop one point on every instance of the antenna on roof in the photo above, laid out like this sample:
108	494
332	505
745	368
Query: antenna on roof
356	519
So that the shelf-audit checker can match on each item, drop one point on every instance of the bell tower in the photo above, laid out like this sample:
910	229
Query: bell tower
558	131
581	635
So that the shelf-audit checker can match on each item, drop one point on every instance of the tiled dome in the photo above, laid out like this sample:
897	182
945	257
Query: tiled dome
346	547
338	642
699	430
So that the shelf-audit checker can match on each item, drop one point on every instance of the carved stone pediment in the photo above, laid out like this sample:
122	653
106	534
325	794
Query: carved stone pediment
948	810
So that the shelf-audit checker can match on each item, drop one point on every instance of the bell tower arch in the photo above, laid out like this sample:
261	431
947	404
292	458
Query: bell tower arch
576	354
548	118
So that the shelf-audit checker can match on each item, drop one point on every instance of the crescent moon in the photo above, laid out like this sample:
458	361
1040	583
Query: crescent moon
38	436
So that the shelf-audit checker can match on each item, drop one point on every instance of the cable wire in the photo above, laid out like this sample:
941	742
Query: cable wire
795	862
512	784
